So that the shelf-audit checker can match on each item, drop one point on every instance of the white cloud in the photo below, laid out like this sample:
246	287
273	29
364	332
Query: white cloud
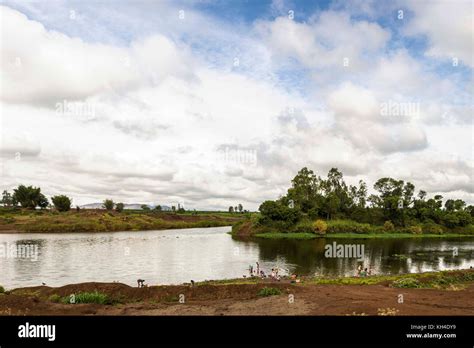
448	25
165	107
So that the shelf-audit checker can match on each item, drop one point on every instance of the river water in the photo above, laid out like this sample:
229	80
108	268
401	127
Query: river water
177	256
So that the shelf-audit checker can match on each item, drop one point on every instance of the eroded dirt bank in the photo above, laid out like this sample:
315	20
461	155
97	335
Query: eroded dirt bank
237	298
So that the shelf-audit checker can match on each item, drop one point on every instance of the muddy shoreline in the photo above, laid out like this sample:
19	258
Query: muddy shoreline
243	297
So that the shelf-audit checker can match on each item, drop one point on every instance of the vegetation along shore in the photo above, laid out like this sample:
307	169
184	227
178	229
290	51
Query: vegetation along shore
327	207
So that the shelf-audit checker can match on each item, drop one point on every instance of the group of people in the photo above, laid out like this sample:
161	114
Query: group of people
257	272
363	272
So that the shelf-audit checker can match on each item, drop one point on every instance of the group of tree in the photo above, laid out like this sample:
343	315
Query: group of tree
394	200
30	197
238	208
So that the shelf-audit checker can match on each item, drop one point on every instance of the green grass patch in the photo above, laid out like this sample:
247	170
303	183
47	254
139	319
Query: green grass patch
277	235
88	297
265	292
406	283
55	298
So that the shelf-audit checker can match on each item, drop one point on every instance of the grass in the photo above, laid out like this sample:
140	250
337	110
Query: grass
104	221
265	292
92	297
305	236
277	235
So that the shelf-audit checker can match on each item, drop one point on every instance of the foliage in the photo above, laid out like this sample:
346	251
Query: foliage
55	298
29	197
320	227
388	226
92	297
61	202
264	292
432	228
406	283
2	289
108	204
119	207
393	208
416	229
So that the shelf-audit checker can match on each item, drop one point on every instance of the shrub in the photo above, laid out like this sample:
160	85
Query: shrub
269	292
345	226
119	207
108	204
55	298
304	226
388	226
2	289
415	229
432	228
276	211
61	202
92	297
406	283
320	226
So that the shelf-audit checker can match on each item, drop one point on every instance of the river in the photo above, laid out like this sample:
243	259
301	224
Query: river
177	256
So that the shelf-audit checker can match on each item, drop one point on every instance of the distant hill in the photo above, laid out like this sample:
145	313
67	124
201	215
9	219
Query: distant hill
131	206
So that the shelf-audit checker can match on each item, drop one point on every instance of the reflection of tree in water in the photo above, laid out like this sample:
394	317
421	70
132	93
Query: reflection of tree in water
26	264
383	256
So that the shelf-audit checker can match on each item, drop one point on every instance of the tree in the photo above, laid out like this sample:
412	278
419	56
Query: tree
240	207
145	207
231	209
7	199
29	197
119	207
108	204
173	208
158	208
61	202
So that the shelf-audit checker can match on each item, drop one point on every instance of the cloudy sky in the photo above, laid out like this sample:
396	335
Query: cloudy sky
215	103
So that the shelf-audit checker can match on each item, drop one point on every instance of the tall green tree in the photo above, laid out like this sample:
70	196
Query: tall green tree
61	202
108	204
29	197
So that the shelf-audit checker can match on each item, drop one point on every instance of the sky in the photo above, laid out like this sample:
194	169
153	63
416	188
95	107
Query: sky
214	103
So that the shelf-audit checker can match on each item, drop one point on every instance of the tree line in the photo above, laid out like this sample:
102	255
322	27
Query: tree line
30	197
394	201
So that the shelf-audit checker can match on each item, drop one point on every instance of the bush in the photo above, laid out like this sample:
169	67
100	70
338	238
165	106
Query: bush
2	289
303	227
55	298
406	283
320	226
278	215
61	202
92	297
415	229
432	228
388	226
346	226
269	292
119	207
108	204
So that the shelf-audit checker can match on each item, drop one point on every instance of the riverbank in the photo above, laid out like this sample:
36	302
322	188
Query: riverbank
442	293
109	221
250	228
305	236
